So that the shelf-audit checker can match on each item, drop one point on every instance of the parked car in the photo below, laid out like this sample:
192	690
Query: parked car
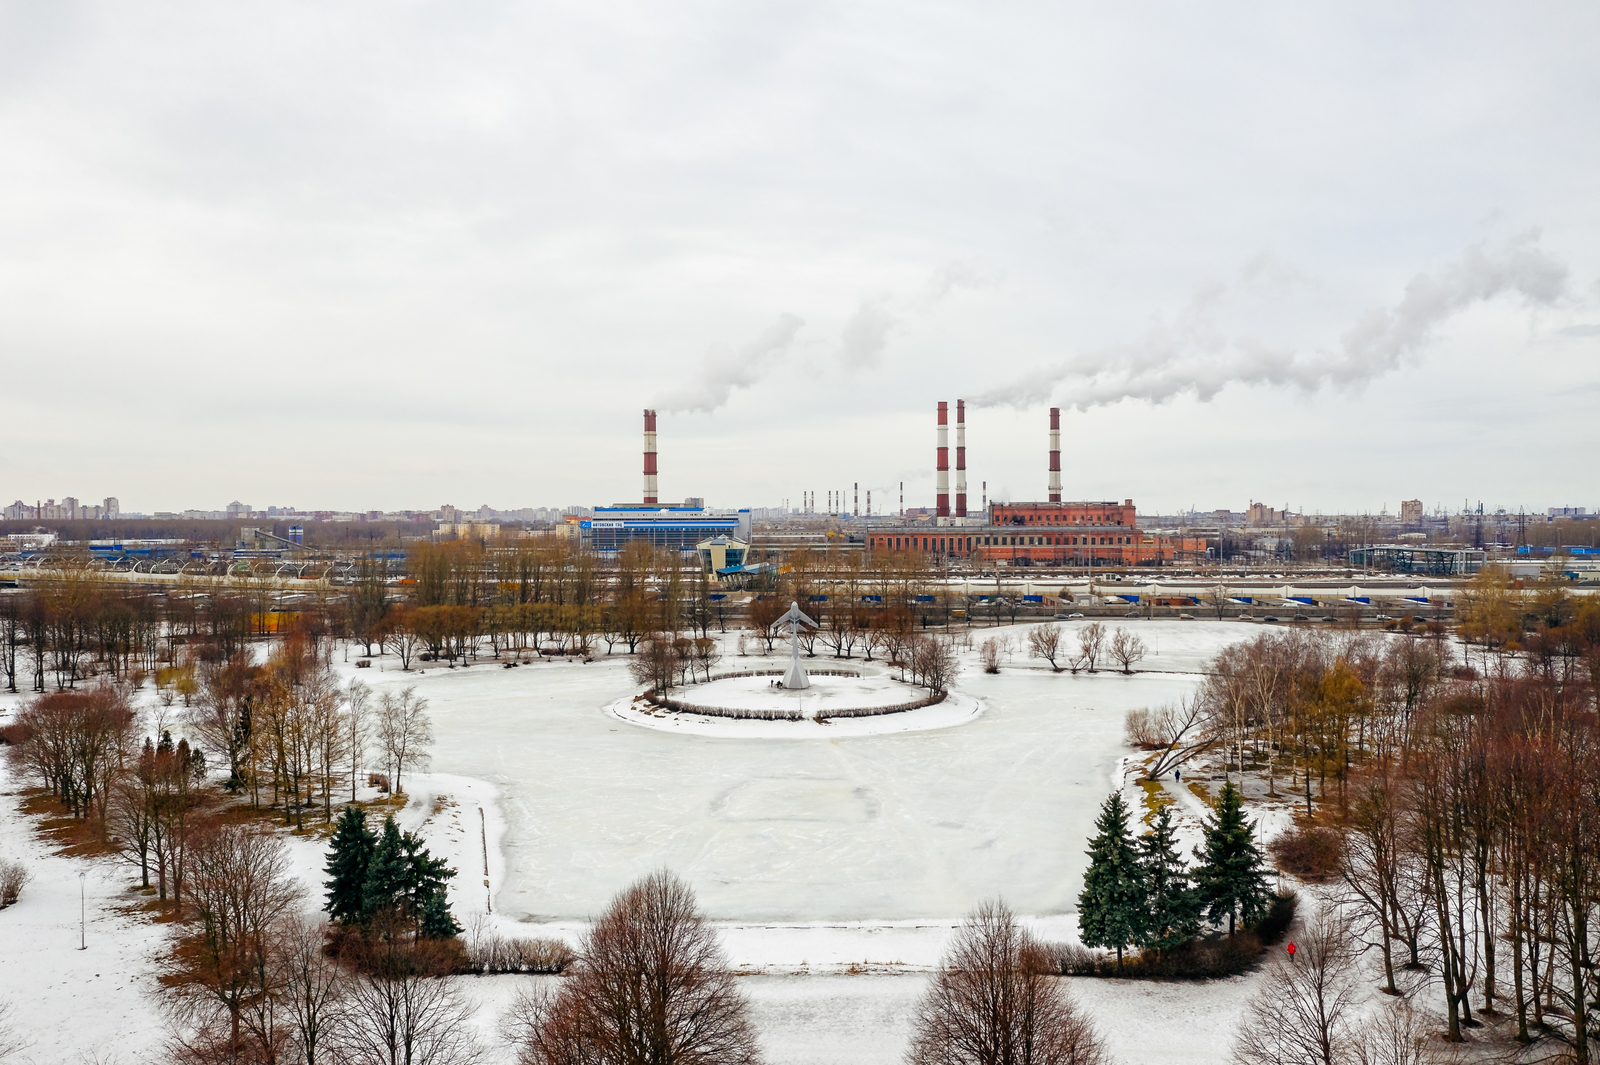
1185	617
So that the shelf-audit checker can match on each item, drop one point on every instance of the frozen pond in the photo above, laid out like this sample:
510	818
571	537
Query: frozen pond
871	828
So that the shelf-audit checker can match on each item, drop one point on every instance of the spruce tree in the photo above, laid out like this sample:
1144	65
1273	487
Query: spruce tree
434	919
1232	878
388	882
352	848
404	879
1171	905
1110	907
426	874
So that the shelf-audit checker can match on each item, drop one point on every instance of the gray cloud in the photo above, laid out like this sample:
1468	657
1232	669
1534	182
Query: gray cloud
1193	356
724	369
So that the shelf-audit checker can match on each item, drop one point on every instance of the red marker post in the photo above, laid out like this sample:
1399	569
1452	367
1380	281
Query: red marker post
1290	948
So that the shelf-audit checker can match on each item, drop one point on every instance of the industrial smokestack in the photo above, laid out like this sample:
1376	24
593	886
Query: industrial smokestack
942	490
650	456
1055	454
855	499
961	458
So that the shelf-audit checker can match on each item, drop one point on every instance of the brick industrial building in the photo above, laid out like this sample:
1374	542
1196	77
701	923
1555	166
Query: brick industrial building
1052	533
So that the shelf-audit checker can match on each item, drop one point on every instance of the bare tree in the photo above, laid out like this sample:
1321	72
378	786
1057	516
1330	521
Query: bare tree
652	985
401	1011
1400	1036
403	731
239	886
1304	1011
357	728
11	1042
1091	644
1127	648
990	654
1044	641
1176	732
934	663
312	988
996	1002
656	664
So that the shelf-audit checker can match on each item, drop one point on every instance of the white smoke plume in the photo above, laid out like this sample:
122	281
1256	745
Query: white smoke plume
724	369
865	335
1191	357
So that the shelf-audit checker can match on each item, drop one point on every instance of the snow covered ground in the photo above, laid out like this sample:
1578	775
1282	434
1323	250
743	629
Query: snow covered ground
881	827
835	866
70	1004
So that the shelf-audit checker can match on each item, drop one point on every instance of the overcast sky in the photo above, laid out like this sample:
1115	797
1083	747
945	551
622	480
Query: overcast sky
396	255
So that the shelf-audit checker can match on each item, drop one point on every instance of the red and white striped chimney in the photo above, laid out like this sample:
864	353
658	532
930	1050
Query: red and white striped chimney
943	488
650	457
1055	454
961	458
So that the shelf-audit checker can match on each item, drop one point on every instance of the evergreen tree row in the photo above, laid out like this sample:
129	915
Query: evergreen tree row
1140	893
387	874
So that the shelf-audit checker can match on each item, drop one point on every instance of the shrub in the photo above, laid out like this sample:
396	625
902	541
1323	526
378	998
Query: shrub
500	954
13	875
1309	853
1203	959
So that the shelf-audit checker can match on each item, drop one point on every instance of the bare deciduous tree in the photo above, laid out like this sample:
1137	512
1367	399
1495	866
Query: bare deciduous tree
357	728
1177	732
652	986
933	663
313	990
403	731
1303	1012
239	886
1400	1036
400	1012
1044	641
1091	644
995	1002
1127	648
11	1041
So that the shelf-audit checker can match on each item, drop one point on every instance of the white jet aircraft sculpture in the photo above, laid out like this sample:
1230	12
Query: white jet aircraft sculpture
795	678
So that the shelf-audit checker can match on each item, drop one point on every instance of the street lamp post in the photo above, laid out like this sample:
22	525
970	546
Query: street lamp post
83	911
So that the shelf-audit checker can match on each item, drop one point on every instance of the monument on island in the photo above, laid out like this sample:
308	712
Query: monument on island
796	677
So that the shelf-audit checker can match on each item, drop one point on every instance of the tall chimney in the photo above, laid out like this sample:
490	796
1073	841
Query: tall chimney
961	458
650	456
1055	454
942	491
902	499
855	499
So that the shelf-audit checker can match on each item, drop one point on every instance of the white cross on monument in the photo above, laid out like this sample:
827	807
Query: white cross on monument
796	677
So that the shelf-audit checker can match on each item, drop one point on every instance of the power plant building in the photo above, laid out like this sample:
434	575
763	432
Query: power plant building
1051	533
